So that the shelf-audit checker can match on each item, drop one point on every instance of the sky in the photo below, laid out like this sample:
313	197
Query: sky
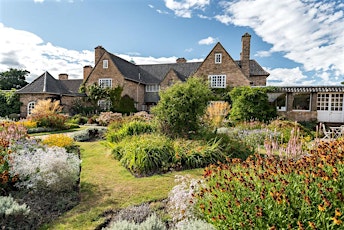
299	42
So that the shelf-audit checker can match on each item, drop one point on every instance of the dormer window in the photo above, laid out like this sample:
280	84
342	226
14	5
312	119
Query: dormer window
218	58
105	64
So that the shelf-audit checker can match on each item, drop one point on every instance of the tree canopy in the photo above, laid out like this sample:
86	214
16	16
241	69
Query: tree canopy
182	106
250	103
13	79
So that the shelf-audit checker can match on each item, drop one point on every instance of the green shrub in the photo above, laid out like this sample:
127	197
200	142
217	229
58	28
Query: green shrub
181	108
284	128
190	154
129	129
270	193
145	154
78	119
56	121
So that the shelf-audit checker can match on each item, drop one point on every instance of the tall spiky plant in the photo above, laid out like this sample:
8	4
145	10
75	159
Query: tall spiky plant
46	107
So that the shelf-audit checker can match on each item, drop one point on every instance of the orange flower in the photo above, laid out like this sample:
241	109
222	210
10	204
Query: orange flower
312	225
337	212
321	208
336	221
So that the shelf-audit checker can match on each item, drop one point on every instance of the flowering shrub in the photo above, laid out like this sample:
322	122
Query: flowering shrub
105	118
273	193
142	116
27	123
59	140
10	132
56	121
45	169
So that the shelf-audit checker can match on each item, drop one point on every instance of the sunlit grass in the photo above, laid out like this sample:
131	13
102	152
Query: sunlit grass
106	185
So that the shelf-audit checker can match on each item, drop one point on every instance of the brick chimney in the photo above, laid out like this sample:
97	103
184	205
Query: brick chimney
63	76
87	71
245	54
181	60
98	53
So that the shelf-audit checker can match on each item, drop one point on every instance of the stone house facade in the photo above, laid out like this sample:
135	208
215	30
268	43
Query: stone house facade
142	83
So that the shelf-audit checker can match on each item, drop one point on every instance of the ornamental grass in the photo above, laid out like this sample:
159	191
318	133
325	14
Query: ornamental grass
269	192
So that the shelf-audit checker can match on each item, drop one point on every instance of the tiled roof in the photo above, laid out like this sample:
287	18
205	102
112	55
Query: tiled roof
159	71
307	89
255	69
48	84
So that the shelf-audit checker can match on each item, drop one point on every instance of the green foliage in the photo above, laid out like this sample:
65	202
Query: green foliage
181	107
126	105
129	129
250	103
83	107
9	103
284	127
13	79
54	121
272	193
196	154
144	154
92	133
78	119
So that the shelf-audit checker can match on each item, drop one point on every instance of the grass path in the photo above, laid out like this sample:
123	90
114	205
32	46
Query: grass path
106	185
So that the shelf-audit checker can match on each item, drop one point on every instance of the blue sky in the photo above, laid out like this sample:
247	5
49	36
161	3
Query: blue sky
300	42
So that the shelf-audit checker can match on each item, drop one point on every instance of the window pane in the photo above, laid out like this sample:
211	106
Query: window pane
301	101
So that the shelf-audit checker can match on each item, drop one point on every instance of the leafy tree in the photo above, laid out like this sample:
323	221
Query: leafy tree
13	79
250	103
9	103
182	106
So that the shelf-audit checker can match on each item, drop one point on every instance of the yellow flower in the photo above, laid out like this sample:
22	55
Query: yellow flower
336	221
337	212
321	208
312	225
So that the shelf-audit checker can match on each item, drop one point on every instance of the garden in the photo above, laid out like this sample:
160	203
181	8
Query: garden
190	164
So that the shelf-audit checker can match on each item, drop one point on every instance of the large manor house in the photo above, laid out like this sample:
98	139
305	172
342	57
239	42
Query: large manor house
142	83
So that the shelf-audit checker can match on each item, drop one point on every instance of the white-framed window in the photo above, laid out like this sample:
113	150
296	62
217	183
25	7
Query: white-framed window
104	104
217	81
30	107
105	64
218	58
105	83
152	88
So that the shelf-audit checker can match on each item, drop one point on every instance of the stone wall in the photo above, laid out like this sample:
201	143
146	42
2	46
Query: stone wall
170	79
234	75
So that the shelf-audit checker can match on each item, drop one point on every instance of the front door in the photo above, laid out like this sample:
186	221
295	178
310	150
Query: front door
330	107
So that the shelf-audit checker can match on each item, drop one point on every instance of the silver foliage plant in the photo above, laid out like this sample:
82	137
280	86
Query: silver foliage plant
9	207
181	201
50	168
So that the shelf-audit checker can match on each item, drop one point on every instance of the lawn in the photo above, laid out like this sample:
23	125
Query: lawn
106	185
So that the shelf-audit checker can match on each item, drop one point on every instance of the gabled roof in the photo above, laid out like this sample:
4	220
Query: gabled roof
46	83
255	69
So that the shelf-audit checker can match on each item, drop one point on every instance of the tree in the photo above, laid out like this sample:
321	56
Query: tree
182	106
250	103
13	79
9	103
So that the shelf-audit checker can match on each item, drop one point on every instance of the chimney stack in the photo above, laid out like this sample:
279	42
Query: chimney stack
181	60
98	53
245	54
63	76
87	71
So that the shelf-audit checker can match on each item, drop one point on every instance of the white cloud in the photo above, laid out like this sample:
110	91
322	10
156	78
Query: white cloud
184	8
285	77
39	1
307	32
24	50
207	41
